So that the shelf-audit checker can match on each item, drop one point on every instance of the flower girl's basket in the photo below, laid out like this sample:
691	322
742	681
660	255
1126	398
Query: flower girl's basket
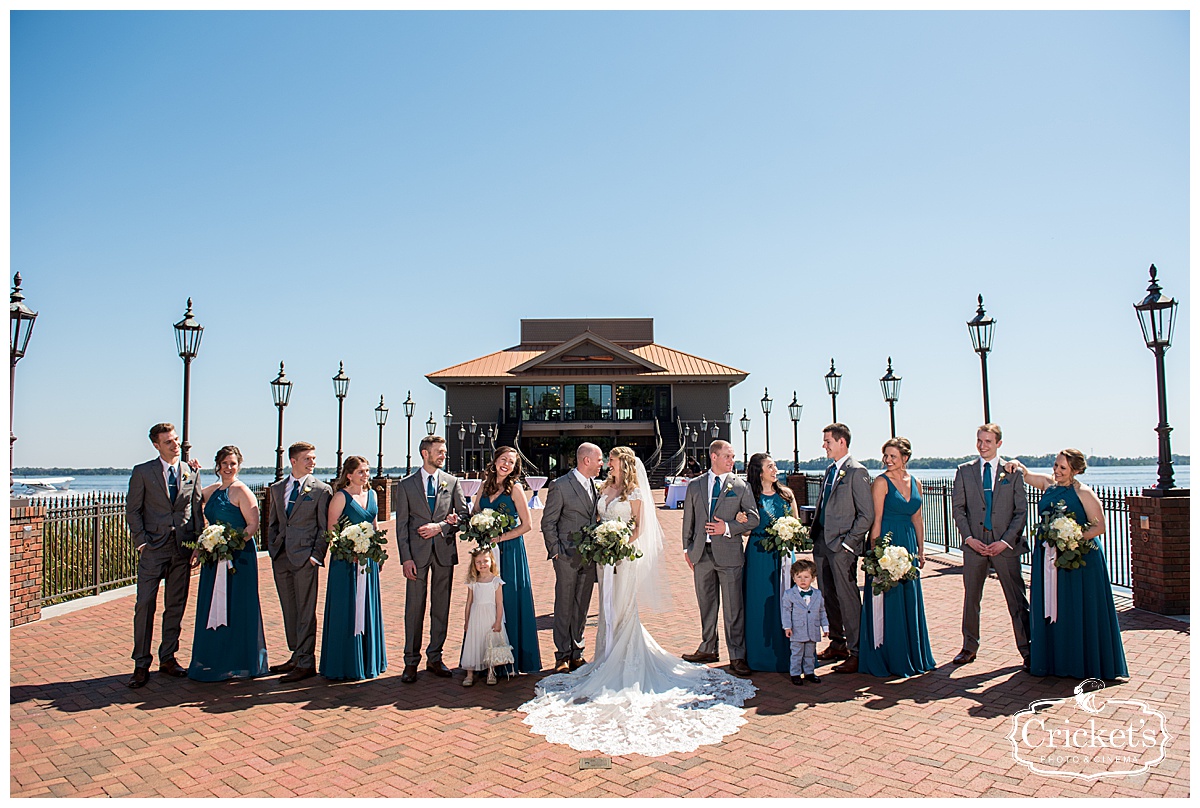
496	650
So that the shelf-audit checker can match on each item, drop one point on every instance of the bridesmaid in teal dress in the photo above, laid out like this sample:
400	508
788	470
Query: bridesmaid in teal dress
236	650
345	654
1084	641
905	649
502	492
767	648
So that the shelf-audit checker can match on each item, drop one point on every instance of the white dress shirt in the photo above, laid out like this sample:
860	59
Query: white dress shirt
995	464
715	479
293	483
837	469
166	472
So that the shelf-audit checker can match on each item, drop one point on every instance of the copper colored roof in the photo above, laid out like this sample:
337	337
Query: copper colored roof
677	364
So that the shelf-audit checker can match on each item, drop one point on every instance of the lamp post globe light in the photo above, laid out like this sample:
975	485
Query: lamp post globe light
1156	313
281	394
766	408
794	410
745	422
21	319
833	383
341	386
448	417
381	414
188	333
716	431
890	383
430	425
409	406
982	328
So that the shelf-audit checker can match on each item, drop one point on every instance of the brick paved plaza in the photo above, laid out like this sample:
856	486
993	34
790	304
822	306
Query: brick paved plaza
76	730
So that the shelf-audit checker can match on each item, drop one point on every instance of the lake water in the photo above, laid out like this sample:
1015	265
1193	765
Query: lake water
1108	476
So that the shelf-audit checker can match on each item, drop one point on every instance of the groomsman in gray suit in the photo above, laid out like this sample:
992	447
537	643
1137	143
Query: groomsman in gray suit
712	545
845	512
989	512
429	506
163	512
296	543
570	505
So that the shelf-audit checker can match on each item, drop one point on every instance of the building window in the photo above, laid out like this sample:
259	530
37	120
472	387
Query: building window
586	402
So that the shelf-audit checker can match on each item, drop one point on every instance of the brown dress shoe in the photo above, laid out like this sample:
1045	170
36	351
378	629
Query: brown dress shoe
171	668
139	678
438	669
834	652
738	667
576	663
284	668
964	656
849	666
409	675
562	666
298	674
701	658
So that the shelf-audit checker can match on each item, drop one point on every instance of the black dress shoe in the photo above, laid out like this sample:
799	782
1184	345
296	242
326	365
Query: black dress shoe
576	663
812	677
701	657
738	667
1025	664
171	668
139	678
438	669
409	675
964	656
283	668
797	680
849	666
297	674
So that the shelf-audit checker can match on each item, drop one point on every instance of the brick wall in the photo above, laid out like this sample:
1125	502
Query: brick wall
1158	531
25	564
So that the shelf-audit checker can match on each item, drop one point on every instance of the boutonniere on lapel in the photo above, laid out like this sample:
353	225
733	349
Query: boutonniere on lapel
442	487
841	474
306	489
1000	479
729	489
186	475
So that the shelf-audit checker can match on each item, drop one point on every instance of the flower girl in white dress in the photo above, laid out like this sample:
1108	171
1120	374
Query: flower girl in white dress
485	614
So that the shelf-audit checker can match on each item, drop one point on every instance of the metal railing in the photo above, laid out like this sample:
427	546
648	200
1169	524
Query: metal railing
86	547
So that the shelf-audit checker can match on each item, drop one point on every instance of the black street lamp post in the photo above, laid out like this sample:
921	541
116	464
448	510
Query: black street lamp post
448	417
794	410
982	328
833	383
281	393
409	406
473	429
430	425
462	449
21	319
890	383
187	340
341	386
1156	313
381	414
745	422
766	408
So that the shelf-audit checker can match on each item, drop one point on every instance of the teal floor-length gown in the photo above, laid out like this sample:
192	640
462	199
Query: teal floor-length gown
905	650
1085	641
767	649
237	650
520	619
345	655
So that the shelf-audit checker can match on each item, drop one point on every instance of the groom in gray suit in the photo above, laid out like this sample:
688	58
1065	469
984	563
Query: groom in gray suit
296	543
989	512
570	505
845	512
163	511
429	506
712	545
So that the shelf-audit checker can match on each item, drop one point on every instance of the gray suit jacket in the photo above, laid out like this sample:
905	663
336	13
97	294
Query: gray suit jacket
1009	505
301	534
412	511
806	622
568	509
736	497
849	512
156	521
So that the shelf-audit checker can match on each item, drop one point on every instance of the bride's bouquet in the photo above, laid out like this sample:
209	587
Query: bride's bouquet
1059	529
485	527
787	534
357	543
888	564
218	542
607	543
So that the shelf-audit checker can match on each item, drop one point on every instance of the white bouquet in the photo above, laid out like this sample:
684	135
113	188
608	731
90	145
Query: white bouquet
786	534
607	542
357	543
888	565
1059	529
218	542
485	527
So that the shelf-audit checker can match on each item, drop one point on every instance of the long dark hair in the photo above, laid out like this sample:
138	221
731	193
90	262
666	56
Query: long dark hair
754	478
352	464
491	485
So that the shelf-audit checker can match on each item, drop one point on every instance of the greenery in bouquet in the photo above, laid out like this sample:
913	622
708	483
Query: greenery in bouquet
218	542
607	542
787	534
888	564
1059	529
357	543
486	527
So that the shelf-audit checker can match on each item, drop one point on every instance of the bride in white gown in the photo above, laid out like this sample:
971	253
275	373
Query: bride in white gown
634	697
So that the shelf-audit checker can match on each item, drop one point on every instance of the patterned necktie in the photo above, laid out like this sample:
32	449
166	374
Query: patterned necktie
716	494
292	497
430	494
987	495
172	484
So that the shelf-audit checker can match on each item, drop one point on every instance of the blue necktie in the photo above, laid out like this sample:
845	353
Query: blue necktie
430	494
716	494
826	490
987	495
172	484
292	497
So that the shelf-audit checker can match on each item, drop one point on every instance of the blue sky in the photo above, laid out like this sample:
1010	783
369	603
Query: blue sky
396	190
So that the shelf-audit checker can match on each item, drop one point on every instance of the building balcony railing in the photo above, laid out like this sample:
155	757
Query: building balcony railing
587	413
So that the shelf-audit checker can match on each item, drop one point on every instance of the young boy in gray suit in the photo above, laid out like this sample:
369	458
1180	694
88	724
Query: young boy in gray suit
804	621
